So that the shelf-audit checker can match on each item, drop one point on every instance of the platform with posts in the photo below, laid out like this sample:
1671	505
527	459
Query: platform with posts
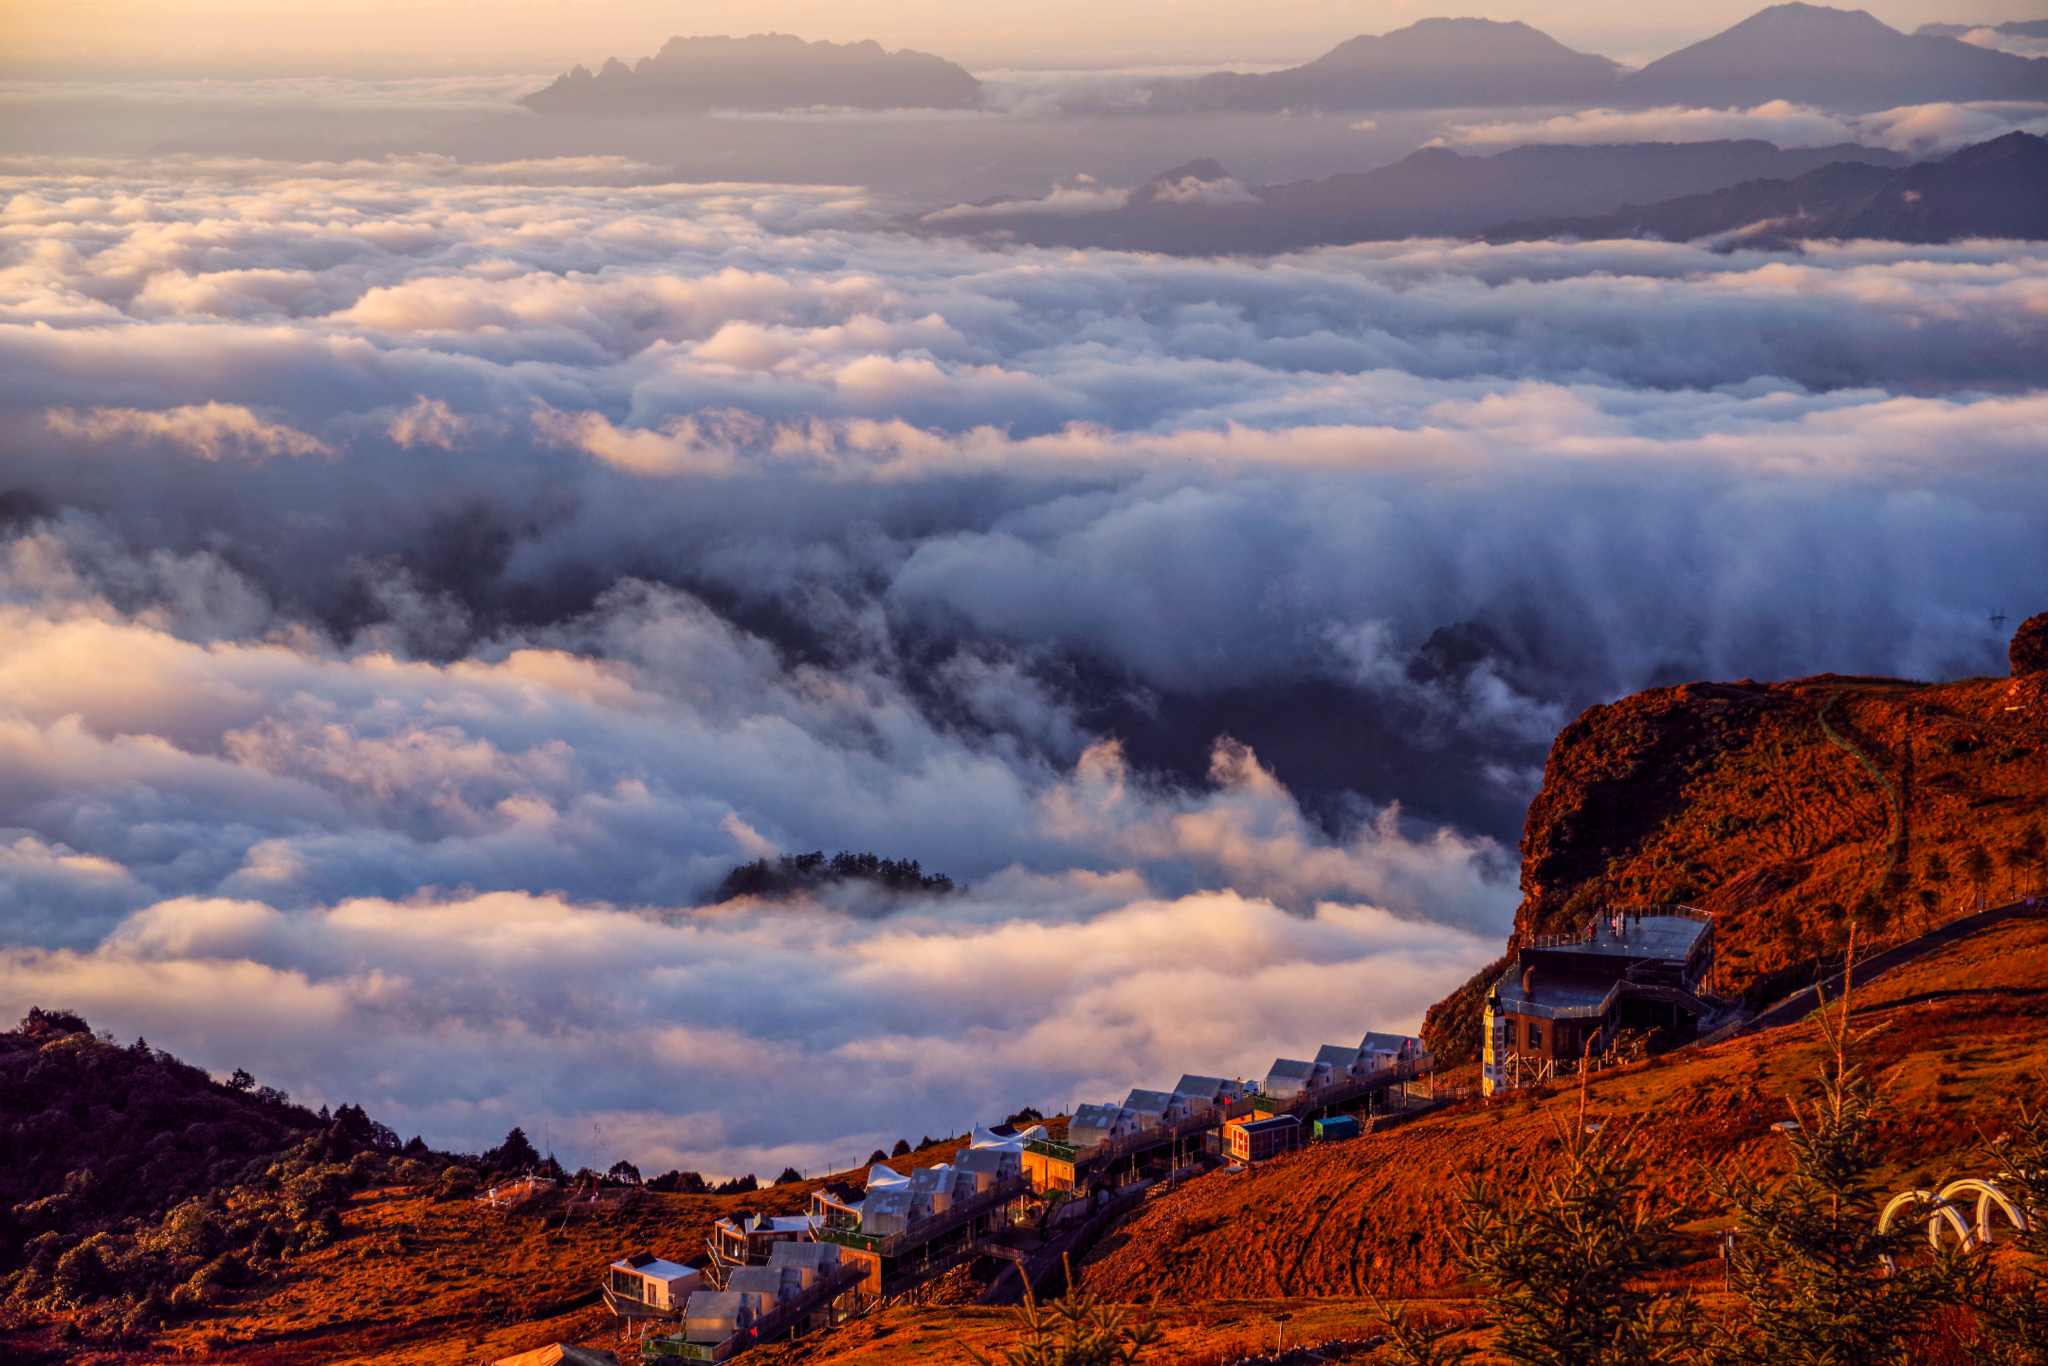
1089	1165
784	1318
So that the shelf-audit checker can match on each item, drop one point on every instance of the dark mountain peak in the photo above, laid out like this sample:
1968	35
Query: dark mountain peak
1800	20
762	71
1835	58
1481	41
2023	148
1431	64
1437	155
1205	169
782	47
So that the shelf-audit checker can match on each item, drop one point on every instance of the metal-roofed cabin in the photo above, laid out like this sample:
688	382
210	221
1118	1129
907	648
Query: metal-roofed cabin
1341	1063
1377	1051
1204	1094
1289	1077
1256	1140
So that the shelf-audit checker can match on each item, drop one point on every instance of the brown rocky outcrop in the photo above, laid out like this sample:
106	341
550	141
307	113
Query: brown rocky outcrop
2029	649
1737	799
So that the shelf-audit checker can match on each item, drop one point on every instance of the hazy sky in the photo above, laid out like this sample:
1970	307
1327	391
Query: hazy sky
254	37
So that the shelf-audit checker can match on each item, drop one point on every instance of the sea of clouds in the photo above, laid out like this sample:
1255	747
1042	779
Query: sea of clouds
423	581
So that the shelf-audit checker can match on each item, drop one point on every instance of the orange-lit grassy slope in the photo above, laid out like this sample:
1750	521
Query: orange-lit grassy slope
416	1282
1733	797
1963	1039
1308	1236
1206	1334
453	1283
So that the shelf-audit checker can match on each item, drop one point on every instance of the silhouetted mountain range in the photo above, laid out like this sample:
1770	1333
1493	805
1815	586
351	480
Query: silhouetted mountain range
1837	59
1432	64
767	71
1811	54
1200	208
1993	189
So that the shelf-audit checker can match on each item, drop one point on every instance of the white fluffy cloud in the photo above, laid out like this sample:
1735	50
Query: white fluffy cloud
423	583
1916	130
210	431
294	829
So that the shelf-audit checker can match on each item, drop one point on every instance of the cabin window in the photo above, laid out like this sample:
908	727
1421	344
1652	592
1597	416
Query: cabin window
1535	1028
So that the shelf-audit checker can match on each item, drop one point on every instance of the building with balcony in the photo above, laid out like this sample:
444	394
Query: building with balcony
649	1280
1568	996
746	1238
812	1262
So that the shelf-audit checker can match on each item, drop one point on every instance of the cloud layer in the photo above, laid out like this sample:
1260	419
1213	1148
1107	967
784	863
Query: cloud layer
1919	130
423	582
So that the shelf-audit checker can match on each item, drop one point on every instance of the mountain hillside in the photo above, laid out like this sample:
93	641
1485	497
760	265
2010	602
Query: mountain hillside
1993	189
1369	1216
149	1213
767	71
1837	59
1431	64
1201	208
1779	208
1788	810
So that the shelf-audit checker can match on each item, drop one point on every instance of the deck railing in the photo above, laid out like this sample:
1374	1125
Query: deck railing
960	1212
1578	937
770	1325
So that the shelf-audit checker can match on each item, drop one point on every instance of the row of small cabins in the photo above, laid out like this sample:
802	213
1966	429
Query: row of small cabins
1565	997
1191	1096
770	1273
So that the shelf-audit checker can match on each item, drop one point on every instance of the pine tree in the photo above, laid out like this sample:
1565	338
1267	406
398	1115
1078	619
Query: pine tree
2024	855
515	1154
1977	868
1079	1329
1820	1284
1564	1267
2013	1308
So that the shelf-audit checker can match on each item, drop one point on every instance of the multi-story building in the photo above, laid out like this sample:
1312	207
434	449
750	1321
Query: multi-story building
1568	995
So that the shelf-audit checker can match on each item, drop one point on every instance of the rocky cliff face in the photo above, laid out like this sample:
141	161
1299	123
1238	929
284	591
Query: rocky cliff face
762	72
1789	810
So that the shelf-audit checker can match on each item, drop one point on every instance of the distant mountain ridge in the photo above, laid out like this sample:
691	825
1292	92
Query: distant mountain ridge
1200	208
1431	64
1991	189
1844	60
767	71
1838	59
